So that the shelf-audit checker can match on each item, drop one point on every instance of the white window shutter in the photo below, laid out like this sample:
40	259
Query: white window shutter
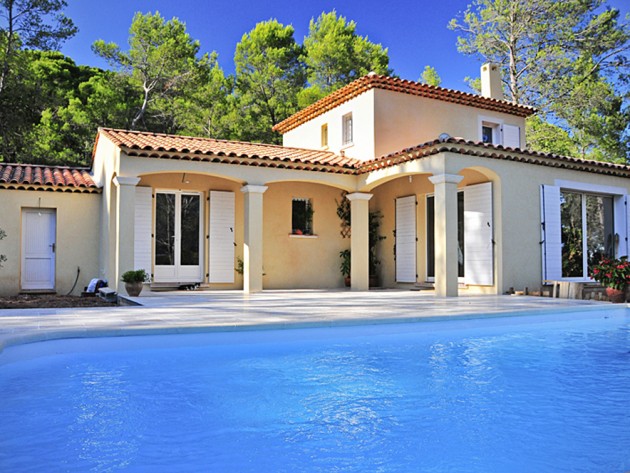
143	224
406	239
511	136
620	220
551	232
221	231
627	239
478	235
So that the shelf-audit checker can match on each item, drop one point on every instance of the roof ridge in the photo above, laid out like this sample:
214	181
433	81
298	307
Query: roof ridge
52	166
372	81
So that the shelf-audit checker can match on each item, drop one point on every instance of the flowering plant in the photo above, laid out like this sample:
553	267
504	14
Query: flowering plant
613	273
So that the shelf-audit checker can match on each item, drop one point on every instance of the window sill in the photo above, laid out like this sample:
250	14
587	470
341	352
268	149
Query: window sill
295	235
347	145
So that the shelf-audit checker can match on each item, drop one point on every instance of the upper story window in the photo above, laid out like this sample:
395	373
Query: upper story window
302	217
324	135
486	134
347	138
494	131
490	133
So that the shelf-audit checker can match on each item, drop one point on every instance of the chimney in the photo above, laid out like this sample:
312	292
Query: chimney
491	85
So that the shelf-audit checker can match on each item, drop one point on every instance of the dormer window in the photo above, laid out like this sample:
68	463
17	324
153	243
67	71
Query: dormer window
324	135
347	138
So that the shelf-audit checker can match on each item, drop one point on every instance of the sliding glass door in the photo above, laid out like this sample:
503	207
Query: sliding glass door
587	230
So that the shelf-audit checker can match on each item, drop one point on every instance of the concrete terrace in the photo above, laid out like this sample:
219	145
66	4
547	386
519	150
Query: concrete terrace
199	311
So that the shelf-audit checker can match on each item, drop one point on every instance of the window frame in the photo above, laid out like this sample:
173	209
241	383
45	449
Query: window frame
307	229
497	129
324	136
586	231
347	130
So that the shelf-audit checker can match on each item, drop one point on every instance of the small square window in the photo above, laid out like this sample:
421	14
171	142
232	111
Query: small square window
302	217
487	134
347	130
324	135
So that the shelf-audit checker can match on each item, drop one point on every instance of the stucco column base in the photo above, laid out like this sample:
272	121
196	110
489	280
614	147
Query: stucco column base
253	243
446	265
125	229
360	241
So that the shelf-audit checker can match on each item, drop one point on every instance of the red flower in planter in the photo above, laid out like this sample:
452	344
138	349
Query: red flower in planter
614	273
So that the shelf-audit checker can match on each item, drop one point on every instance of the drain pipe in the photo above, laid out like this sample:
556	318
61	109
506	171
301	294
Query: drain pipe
75	281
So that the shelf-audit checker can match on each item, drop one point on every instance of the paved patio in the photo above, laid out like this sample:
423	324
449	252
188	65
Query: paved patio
199	311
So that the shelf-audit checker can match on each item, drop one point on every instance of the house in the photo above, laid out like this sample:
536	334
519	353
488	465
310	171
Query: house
464	204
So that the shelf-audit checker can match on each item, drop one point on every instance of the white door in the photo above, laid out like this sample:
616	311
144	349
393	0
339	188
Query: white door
178	236
38	249
406	240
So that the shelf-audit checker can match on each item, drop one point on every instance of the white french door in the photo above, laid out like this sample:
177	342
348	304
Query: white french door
178	236
38	249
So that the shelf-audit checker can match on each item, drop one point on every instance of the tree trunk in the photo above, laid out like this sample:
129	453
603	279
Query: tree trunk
145	103
8	52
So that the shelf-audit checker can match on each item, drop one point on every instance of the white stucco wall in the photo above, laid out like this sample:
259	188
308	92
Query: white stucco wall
386	121
403	121
308	135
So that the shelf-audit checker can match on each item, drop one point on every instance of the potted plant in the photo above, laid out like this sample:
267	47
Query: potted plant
133	281
345	266
615	275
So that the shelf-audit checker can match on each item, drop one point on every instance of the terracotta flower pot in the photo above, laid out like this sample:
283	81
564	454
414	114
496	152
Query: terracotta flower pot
133	288
616	296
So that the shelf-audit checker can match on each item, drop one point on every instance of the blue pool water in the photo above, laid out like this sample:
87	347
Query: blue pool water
524	394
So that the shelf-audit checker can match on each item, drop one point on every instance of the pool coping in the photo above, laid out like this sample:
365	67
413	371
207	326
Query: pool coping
35	332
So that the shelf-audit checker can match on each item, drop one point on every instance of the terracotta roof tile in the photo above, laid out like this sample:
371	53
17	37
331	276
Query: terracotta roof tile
40	177
147	144
375	81
205	149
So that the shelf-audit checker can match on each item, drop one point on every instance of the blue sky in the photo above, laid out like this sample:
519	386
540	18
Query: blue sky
415	32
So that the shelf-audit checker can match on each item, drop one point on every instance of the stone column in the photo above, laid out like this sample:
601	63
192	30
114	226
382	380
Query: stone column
125	229
360	241
253	250
446	269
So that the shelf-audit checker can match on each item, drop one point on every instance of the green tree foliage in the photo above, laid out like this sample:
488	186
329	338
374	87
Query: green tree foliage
162	62
548	138
269	75
430	76
67	132
565	57
45	82
336	55
51	109
30	24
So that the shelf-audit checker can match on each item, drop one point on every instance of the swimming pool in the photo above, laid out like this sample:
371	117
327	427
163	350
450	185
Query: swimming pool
528	393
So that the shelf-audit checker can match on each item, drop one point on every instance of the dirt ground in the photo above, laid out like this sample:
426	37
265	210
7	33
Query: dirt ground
39	301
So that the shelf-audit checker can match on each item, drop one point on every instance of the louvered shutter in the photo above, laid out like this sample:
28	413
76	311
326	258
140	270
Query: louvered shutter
511	136
478	235
143	223
551	232
221	231
406	239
